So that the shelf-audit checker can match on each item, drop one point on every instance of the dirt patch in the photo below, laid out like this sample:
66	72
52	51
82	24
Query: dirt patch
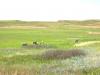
97	33
94	27
86	43
23	27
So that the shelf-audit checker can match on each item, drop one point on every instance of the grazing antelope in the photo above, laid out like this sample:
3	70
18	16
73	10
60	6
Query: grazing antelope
76	41
35	43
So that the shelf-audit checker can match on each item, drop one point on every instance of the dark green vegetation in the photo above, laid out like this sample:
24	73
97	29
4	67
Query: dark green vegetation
23	43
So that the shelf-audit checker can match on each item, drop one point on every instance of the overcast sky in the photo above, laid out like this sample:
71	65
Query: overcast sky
49	10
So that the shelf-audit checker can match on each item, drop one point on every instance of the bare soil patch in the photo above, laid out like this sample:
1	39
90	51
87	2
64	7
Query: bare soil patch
97	33
91	26
87	43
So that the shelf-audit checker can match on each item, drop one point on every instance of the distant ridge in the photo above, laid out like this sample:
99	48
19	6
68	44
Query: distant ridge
89	20
81	22
66	22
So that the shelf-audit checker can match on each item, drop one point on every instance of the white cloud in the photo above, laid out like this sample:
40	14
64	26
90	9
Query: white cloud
48	9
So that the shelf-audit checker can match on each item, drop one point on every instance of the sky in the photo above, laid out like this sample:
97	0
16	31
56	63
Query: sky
49	10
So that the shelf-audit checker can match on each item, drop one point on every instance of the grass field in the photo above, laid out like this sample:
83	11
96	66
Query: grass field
16	59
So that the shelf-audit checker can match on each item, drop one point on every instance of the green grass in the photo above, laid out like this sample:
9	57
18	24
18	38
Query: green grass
13	38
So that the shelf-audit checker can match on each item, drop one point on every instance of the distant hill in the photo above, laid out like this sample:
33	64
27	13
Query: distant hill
81	22
63	22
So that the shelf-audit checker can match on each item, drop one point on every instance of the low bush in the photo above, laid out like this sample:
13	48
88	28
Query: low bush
61	54
37	46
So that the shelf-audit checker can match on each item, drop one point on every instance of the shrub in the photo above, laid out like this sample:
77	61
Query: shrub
34	45
61	54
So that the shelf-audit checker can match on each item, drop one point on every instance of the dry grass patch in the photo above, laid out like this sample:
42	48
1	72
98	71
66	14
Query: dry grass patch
23	27
15	71
94	33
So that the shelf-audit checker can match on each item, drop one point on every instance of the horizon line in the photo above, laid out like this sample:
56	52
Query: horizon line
49	20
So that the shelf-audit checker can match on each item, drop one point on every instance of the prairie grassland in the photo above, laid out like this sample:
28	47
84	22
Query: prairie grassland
16	59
